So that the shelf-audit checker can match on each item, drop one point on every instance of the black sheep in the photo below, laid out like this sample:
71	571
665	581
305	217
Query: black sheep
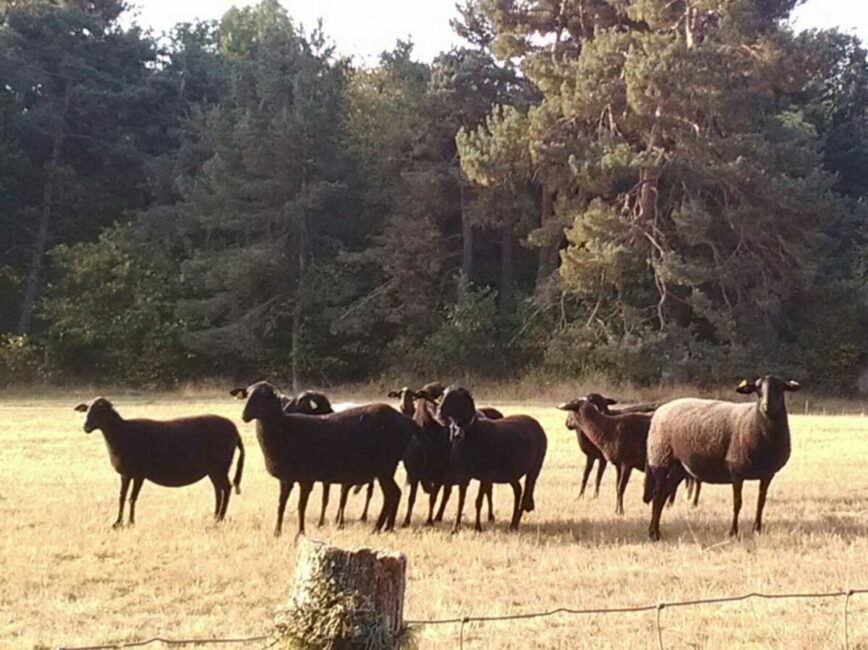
172	453
351	448
492	451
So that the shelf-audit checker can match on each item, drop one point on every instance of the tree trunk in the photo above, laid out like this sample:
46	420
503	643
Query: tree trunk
344	599
548	253
466	235
507	296
34	277
297	310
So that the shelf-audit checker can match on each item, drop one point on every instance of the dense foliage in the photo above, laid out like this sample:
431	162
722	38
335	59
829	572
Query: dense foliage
647	189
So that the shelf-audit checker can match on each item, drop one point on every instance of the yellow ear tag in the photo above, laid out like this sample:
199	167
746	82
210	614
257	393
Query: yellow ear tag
743	384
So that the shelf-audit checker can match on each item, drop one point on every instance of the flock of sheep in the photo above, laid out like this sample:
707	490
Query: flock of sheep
444	441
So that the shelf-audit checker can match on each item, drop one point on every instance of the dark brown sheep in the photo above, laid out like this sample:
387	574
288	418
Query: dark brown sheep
620	438
352	447
491	451
426	460
720	443
172	453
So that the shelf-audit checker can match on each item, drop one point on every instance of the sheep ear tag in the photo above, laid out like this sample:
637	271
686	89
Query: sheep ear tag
744	383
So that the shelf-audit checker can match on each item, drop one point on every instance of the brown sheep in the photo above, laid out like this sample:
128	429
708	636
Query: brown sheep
620	438
720	443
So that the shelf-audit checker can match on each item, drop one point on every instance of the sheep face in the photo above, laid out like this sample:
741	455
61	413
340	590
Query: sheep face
98	411
263	401
595	399
770	393
457	411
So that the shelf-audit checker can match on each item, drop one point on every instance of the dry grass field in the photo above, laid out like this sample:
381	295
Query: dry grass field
66	578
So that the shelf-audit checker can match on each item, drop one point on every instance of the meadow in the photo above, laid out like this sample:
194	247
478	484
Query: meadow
68	579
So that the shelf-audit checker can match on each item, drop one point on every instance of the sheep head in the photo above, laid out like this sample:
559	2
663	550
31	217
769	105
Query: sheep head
457	411
98	411
263	401
770	393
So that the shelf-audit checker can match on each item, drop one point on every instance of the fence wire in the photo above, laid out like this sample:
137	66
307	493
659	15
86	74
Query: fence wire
464	620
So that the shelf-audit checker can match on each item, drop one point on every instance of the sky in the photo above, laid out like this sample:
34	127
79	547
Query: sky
364	29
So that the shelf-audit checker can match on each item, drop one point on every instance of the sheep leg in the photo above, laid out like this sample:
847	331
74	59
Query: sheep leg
462	494
285	489
305	490
391	498
761	503
432	501
137	487
222	490
447	492
411	501
696	487
666	480
736	505
516	509
326	491
368	498
601	467
618	473
339	517
589	466
480	496
125	486
488	494
218	497
622	487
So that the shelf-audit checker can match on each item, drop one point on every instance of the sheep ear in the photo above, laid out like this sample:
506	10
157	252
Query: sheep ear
239	393
792	385
394	393
746	387
81	408
569	406
611	401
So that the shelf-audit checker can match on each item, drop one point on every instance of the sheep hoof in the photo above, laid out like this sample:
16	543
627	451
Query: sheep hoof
477	528
117	525
276	533
454	530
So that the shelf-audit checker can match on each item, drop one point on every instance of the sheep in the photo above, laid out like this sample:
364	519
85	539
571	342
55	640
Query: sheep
351	448
172	453
720	443
491	451
620	438
427	458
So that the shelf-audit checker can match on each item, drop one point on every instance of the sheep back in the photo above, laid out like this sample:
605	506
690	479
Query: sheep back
716	440
352	446
173	453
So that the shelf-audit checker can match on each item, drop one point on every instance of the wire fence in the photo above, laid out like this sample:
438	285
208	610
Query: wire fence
463	621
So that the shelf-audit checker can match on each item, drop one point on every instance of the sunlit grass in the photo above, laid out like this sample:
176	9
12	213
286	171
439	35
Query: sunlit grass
67	579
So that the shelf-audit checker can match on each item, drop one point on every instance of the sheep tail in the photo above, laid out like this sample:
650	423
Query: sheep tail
527	503
648	493
239	468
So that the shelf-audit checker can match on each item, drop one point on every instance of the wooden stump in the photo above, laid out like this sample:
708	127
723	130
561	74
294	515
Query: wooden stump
344	599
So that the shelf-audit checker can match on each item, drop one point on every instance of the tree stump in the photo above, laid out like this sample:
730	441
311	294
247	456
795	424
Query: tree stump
344	600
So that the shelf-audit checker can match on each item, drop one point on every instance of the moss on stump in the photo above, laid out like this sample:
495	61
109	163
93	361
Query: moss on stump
343	600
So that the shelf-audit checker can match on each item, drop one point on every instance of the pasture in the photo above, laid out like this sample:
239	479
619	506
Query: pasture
68	579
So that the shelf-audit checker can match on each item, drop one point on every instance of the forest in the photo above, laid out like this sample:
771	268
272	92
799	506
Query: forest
642	190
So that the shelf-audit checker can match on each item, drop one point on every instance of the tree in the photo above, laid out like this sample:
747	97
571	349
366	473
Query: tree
268	204
696	193
73	79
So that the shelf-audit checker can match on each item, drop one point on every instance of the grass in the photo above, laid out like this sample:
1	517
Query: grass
67	579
